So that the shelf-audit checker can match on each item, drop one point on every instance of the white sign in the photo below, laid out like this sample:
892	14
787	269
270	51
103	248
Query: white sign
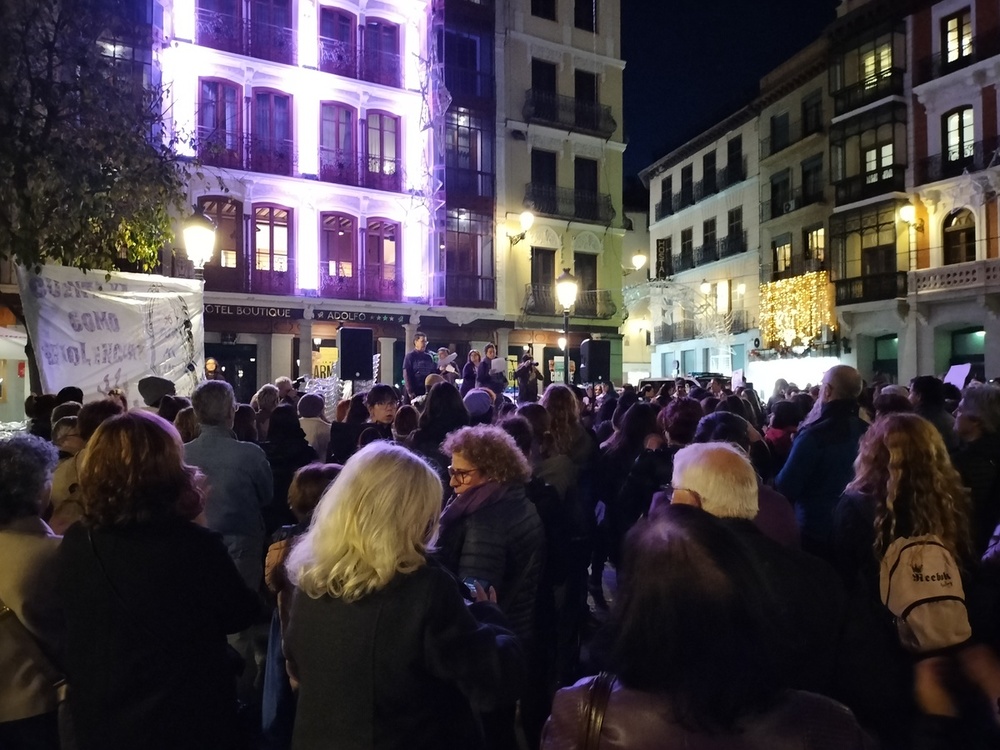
738	380
99	332
958	375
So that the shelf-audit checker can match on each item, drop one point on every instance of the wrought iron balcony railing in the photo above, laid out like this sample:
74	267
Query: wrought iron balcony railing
220	31
980	47
871	184
733	244
684	261
732	174
871	288
339	58
217	148
540	299
796	131
463	290
852	96
706	253
372	285
270	155
566	112
566	203
252	38
740	321
664	208
384	68
973	157
350	168
797	267
268	42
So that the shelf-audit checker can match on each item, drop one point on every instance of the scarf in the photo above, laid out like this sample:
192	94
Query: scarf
469	502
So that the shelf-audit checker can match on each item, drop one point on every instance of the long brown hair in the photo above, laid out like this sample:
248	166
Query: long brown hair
133	472
904	465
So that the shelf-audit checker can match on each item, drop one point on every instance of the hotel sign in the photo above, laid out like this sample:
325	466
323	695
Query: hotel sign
349	316
257	312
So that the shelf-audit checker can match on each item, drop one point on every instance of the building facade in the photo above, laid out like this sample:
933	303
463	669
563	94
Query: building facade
704	235
560	144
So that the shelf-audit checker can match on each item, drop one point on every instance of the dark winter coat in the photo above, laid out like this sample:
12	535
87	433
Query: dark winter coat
979	464
819	468
406	666
148	608
502	544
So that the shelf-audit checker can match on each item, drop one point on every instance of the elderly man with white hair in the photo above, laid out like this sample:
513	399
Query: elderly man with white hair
808	599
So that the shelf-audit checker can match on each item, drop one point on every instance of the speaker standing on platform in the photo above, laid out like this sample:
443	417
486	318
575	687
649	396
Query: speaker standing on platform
527	377
417	365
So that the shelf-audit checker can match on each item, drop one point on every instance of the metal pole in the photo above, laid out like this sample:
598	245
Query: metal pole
566	350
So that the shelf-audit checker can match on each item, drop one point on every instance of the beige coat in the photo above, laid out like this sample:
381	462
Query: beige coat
28	589
65	497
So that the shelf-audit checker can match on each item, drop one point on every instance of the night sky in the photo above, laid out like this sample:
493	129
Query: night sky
689	63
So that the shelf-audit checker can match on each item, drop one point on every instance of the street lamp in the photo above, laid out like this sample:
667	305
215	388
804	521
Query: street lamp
527	221
199	239
638	260
566	289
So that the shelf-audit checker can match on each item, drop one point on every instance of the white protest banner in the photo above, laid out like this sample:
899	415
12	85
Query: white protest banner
99	332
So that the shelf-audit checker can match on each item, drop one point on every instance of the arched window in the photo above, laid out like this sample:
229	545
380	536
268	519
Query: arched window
958	131
383	165
271	147
338	153
380	61
381	273
273	257
338	31
338	255
219	127
959	237
228	217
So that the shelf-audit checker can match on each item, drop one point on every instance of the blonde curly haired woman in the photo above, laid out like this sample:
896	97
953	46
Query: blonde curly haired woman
380	642
906	486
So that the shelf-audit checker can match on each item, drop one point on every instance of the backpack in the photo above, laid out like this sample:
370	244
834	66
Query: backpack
921	585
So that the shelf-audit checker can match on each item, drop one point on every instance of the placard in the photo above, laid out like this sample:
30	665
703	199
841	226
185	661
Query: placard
738	380
101	331
958	375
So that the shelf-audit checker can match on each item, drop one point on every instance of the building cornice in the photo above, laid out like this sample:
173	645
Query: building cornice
566	49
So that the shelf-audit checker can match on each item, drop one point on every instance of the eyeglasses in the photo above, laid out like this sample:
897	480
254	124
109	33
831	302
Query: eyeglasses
460	473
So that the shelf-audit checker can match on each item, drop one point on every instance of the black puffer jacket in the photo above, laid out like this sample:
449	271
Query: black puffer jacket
503	544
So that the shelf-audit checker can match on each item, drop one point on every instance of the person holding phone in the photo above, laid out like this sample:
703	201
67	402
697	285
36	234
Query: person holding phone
527	377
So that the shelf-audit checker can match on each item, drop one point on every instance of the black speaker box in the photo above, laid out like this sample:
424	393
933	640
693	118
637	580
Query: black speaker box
595	361
355	350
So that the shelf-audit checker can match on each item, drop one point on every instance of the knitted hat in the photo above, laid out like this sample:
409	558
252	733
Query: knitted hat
478	402
311	405
152	388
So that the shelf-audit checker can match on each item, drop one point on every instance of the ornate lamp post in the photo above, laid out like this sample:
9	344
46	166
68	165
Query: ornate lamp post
199	240
566	289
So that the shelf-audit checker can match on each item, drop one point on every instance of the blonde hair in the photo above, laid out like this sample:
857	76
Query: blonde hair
904	465
266	398
378	519
723	477
492	451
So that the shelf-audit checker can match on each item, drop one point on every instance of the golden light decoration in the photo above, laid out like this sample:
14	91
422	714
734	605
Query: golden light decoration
800	304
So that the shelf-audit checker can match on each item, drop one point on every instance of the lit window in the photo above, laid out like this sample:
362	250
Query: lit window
959	134
957	33
782	255
816	244
876	64
878	163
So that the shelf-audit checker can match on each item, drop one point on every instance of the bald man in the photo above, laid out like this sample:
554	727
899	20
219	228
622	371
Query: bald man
822	459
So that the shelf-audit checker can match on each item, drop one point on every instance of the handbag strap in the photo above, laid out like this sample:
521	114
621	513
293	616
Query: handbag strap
597	705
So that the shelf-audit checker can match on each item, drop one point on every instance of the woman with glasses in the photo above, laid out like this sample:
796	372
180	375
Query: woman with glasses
382	647
490	531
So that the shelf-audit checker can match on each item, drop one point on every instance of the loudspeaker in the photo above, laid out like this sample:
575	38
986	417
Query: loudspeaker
355	350
595	361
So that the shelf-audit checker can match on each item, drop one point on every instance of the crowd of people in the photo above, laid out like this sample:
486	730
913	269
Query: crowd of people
452	568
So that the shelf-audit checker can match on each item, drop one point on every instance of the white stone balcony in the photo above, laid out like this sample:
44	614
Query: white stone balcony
978	276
